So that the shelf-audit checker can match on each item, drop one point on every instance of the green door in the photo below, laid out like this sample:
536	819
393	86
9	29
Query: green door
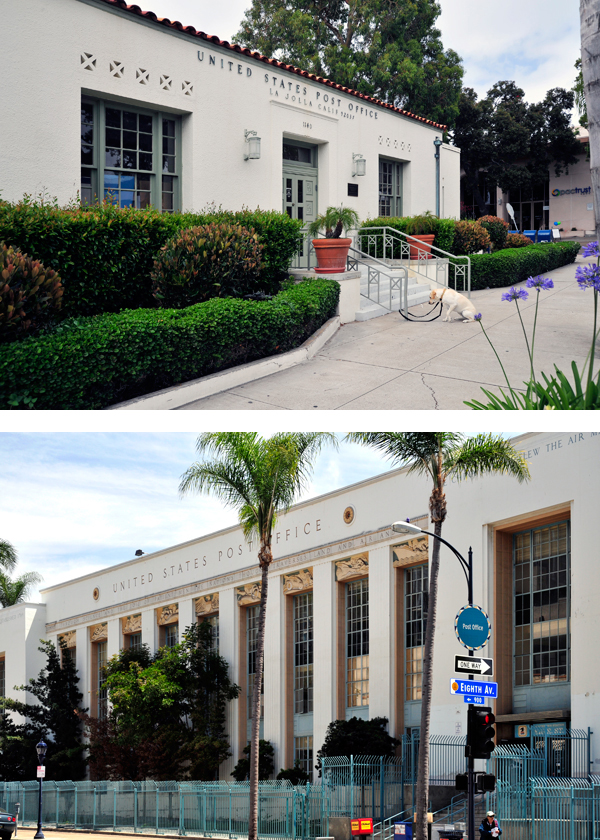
300	202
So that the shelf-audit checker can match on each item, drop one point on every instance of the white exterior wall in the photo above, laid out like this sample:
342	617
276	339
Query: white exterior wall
40	150
314	535
21	629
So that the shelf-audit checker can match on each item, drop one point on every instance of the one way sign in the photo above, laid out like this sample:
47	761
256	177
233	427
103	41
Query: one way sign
473	665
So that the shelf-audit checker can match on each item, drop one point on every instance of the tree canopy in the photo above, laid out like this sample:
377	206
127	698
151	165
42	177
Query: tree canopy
513	142
357	737
53	717
167	711
14	590
388	49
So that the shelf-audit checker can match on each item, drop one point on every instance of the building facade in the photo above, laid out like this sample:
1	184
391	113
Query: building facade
347	604
117	104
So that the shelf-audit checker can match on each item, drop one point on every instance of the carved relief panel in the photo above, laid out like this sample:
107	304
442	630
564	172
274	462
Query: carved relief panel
248	594
297	581
207	604
132	624
411	552
99	632
167	615
69	638
356	566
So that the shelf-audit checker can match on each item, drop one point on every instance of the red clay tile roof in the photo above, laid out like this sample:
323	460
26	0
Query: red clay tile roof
175	24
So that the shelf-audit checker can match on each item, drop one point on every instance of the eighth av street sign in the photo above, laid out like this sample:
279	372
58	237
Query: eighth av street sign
473	665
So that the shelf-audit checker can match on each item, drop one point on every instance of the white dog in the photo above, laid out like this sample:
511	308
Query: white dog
453	300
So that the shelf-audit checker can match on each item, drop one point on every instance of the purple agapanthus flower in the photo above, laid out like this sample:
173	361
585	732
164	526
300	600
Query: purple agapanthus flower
539	282
515	294
591	250
477	317
588	277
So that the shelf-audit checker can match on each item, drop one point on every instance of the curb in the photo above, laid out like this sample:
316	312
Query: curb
206	386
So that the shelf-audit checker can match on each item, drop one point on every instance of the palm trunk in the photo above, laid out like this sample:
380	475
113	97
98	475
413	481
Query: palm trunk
422	795
260	649
589	11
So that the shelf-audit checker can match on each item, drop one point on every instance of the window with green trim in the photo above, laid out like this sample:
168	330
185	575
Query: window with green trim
130	157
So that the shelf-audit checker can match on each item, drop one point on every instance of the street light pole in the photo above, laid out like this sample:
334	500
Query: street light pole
41	748
409	528
437	143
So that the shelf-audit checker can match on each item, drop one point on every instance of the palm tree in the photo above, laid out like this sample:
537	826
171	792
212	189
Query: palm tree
440	456
14	591
261	478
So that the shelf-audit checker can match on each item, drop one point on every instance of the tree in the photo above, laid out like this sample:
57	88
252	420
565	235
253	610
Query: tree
54	717
440	456
514	143
167	712
14	591
241	771
589	11
579	94
357	737
261	478
387	49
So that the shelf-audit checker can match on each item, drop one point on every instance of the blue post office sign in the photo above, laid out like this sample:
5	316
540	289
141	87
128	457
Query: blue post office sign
472	627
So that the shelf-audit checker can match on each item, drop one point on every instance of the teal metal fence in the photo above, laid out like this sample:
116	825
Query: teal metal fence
195	808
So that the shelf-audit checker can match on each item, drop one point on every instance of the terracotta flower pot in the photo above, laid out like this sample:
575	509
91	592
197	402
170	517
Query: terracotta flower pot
426	239
331	255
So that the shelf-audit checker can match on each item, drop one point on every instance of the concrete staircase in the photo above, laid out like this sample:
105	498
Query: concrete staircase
418	292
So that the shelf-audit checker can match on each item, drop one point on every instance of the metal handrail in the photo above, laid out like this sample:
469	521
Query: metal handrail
399	282
379	828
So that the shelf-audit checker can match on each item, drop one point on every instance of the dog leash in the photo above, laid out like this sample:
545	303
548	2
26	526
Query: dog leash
411	317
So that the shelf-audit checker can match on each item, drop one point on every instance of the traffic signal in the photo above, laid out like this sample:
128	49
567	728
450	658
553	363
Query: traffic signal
486	782
462	782
480	731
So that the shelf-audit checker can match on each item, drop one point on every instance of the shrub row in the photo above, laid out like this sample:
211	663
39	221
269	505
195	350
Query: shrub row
442	228
104	254
513	265
93	362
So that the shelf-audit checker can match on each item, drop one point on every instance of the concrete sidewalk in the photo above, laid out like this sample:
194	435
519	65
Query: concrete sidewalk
388	363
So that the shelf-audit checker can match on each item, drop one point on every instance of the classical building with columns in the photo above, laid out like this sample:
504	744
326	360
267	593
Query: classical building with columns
347	600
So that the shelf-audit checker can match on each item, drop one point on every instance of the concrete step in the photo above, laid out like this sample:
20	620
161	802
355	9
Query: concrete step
416	293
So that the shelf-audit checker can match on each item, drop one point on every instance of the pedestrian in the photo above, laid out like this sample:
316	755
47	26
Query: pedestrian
490	827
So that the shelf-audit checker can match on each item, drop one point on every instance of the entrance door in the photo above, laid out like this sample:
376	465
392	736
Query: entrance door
300	202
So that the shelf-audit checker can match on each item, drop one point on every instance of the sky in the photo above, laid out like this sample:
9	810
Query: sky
534	44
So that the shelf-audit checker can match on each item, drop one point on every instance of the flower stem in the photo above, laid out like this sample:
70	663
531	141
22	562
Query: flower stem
527	343
537	300
500	363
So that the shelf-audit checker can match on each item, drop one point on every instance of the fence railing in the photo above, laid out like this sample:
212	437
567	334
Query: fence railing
195	808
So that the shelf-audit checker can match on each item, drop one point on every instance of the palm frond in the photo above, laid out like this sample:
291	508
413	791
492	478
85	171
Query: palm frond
416	450
483	454
8	556
17	590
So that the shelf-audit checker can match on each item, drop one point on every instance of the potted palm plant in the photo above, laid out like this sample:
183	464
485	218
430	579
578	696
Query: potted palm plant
332	251
423	228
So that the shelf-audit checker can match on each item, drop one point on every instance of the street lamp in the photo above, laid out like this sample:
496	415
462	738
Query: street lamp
437	143
408	528
41	751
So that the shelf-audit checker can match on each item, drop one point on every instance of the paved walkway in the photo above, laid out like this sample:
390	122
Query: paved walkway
387	363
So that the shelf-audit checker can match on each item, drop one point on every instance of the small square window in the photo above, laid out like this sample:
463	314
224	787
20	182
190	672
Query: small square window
353	189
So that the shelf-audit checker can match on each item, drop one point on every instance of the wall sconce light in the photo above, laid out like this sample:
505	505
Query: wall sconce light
253	142
359	165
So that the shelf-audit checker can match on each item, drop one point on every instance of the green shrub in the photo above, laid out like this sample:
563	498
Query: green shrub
469	237
518	240
511	265
30	295
442	228
105	254
93	362
214	260
497	229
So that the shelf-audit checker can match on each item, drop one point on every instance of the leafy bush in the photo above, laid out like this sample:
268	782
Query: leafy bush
30	295
510	266
214	260
296	775
105	254
442	228
241	771
93	362
518	240
469	237
497	229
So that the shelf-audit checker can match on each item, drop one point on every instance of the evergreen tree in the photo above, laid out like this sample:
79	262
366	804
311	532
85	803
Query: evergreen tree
357	737
388	49
54	717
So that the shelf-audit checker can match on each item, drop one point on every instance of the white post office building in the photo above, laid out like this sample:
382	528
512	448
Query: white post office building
346	605
107	101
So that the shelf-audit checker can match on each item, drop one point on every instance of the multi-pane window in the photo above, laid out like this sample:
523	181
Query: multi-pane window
2	678
357	643
390	188
303	653
416	590
542	568
171	635
252	615
135	641
101	648
128	157
213	620
303	753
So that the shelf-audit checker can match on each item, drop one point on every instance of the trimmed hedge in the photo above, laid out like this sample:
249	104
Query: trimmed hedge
91	363
444	231
104	254
513	265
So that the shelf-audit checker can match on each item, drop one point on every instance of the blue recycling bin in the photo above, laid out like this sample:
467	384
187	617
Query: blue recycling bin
403	831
